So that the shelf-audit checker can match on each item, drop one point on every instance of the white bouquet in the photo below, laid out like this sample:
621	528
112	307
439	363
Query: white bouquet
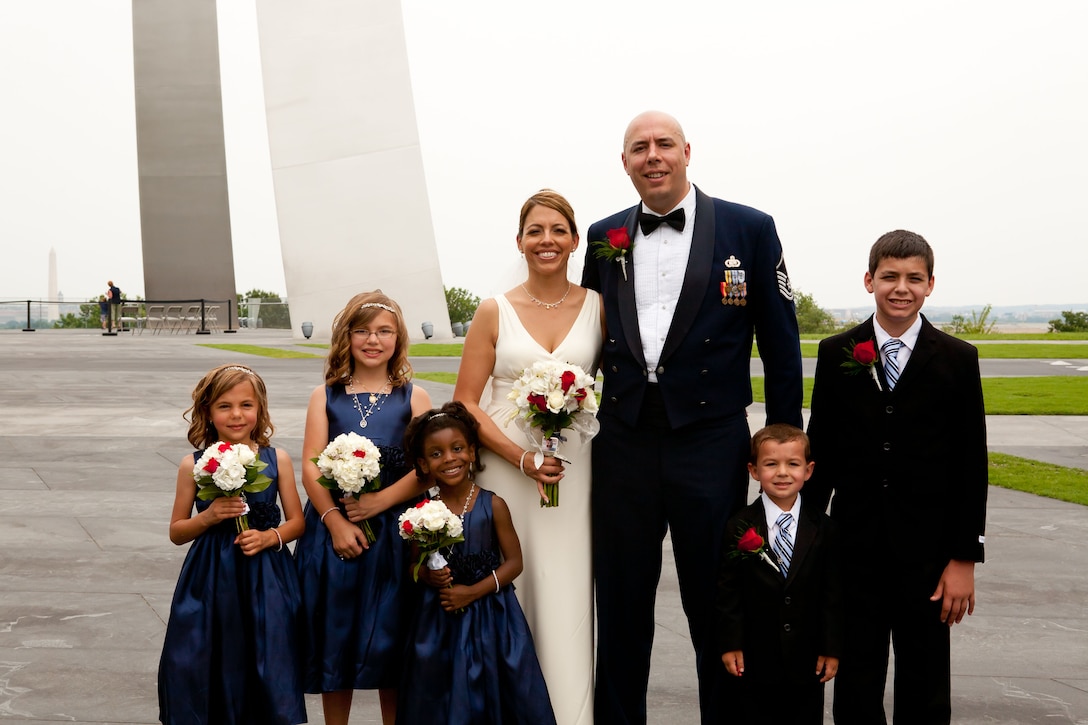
552	397
351	464
431	526
230	470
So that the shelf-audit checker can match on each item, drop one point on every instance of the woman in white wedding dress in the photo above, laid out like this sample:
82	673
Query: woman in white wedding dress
545	318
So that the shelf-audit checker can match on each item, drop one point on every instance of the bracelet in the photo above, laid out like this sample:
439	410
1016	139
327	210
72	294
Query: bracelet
277	533
327	512
496	580
521	463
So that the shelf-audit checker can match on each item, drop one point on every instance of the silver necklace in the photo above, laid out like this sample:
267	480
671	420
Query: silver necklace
548	305
468	500
376	400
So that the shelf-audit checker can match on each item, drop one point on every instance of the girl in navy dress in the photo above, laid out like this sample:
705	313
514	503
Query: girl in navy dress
470	657
353	593
231	651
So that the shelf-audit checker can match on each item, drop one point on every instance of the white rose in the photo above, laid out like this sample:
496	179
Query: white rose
245	454
230	477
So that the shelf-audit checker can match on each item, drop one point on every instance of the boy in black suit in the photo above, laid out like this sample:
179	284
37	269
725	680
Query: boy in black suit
779	589
898	430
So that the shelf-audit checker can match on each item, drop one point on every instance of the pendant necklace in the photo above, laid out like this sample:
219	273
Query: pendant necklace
376	400
547	305
468	500
465	510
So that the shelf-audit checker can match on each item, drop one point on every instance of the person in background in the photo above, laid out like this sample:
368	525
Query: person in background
113	295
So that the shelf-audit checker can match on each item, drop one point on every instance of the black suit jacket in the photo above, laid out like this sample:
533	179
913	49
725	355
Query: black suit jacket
908	467
704	368
781	624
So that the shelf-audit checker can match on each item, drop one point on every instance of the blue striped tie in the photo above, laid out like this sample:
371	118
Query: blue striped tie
783	543
890	348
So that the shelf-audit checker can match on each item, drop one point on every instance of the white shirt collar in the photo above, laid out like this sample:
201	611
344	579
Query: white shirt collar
687	204
772	512
908	338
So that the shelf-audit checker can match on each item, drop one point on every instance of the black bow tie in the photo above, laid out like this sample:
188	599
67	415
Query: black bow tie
650	222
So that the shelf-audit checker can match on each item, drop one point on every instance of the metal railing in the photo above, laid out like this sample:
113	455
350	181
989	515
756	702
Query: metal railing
200	316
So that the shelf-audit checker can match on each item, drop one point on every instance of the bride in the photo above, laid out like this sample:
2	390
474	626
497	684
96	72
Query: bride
544	318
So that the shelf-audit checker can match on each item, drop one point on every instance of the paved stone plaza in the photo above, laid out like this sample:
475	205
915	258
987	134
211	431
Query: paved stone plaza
90	436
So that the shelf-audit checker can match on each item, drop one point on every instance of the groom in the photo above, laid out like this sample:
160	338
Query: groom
701	275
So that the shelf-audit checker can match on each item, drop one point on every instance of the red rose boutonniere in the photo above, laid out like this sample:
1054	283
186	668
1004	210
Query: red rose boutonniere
614	248
862	356
750	543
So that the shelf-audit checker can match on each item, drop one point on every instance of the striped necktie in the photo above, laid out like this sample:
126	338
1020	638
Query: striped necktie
783	543
890	348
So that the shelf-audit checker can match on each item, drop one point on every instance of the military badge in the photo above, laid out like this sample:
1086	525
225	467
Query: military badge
784	287
734	287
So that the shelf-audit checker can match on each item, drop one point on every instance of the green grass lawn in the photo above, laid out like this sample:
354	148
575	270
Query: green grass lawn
435	349
1044	336
1058	395
436	377
274	352
1012	351
1041	479
1027	336
1003	351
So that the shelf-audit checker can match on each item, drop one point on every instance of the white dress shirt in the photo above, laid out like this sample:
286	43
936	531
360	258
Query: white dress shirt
772	512
659	260
908	338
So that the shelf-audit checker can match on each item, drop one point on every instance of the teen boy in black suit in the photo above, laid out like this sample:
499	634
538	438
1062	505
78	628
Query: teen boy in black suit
898	431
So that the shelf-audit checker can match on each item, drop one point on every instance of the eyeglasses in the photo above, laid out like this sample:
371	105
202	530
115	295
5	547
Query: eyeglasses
383	334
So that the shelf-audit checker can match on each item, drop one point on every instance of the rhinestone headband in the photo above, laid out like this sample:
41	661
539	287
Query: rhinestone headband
385	307
240	369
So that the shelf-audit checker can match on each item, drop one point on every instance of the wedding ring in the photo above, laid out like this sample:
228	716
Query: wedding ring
341	557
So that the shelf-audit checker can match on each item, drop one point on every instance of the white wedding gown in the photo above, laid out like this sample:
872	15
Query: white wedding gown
555	588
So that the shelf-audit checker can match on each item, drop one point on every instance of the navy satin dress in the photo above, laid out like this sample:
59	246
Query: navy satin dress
232	651
478	666
354	610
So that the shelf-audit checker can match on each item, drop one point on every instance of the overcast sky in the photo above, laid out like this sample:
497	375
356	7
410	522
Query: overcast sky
962	121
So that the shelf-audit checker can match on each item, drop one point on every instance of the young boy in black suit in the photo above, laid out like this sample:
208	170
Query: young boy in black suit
779	590
898	431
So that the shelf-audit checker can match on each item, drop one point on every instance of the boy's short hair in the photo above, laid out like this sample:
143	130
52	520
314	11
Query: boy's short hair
779	433
900	244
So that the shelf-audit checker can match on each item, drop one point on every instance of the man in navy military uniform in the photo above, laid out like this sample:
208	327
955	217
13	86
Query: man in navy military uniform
682	303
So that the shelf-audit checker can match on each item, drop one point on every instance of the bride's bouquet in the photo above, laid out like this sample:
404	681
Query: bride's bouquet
551	397
430	526
230	470
351	464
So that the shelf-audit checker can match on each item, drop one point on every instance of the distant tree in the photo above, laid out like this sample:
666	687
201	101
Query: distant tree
979	324
1070	322
274	314
811	318
461	304
87	317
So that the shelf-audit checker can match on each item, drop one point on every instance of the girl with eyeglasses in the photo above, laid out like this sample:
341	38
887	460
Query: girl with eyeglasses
353	593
